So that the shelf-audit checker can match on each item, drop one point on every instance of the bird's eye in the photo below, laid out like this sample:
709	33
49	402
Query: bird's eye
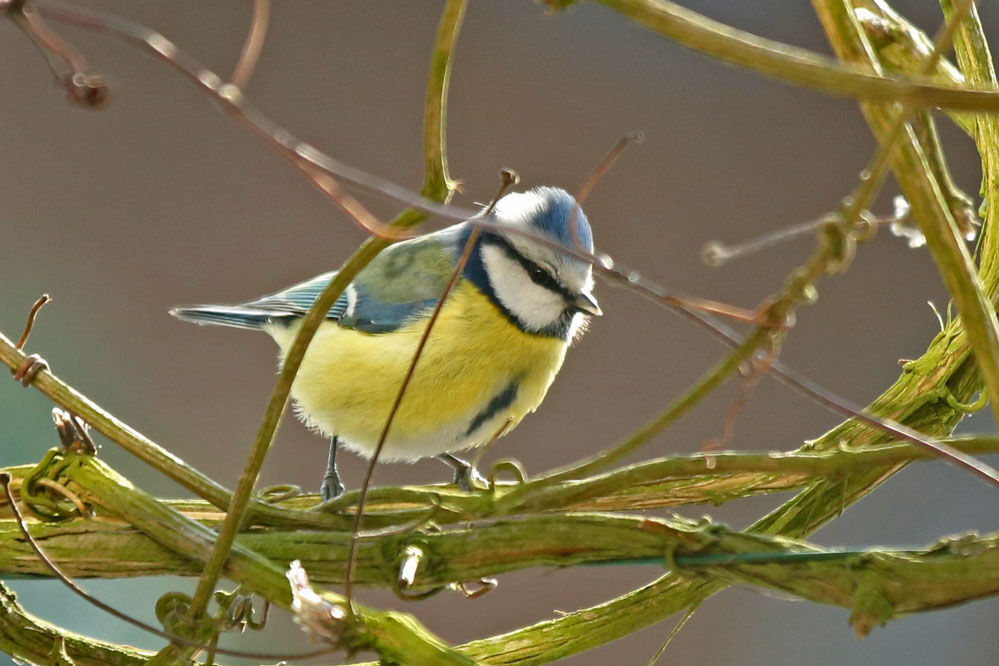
540	276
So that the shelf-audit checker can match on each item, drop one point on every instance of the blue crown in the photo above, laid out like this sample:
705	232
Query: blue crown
553	219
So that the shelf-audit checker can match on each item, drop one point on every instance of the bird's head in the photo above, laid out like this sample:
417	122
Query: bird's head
545	291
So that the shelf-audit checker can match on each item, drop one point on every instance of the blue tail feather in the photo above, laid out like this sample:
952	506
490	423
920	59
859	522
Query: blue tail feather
238	316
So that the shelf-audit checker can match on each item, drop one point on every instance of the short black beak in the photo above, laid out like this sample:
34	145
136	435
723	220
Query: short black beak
586	304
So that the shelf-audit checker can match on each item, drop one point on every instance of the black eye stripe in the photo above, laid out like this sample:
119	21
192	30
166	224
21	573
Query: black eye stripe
538	275
475	271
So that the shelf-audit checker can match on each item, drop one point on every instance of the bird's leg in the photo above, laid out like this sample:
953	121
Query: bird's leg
331	486
466	476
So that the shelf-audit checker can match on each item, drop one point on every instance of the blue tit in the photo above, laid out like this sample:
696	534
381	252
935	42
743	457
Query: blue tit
498	342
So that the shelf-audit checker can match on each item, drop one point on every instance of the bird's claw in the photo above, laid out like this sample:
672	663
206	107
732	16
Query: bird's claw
468	479
331	488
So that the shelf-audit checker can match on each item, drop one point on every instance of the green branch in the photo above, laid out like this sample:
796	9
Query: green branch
878	585
437	183
28	638
721	476
917	182
903	48
975	60
698	478
952	571
790	64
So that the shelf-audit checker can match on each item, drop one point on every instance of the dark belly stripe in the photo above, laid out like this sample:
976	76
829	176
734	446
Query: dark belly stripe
499	402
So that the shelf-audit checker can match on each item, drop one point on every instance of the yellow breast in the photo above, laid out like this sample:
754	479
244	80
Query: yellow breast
476	372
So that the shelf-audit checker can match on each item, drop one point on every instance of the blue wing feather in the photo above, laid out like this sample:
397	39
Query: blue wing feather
400	284
297	299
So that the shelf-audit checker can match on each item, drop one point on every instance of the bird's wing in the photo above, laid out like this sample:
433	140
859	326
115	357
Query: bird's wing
400	283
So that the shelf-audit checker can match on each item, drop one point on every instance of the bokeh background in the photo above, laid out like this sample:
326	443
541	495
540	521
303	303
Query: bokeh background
161	200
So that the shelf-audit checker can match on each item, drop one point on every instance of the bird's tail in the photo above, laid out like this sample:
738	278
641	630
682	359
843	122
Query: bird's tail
238	316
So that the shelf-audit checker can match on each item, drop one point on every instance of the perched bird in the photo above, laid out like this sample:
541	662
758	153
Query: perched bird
495	349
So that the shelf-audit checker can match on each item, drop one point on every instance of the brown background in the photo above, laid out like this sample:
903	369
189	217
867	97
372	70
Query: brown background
160	200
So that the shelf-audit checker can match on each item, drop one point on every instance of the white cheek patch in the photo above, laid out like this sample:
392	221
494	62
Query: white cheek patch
533	305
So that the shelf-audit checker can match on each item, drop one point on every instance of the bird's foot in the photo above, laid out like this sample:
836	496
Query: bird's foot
466	477
331	487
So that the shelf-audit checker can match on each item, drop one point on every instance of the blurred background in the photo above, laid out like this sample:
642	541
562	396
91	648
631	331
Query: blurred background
160	200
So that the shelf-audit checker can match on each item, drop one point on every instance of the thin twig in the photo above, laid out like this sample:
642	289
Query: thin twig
82	85
51	42
31	320
679	625
253	45
592	179
355	210
715	253
602	167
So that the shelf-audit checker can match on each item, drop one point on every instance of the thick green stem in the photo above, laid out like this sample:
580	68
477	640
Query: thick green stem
437	183
952	571
920	187
30	639
713	477
791	64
